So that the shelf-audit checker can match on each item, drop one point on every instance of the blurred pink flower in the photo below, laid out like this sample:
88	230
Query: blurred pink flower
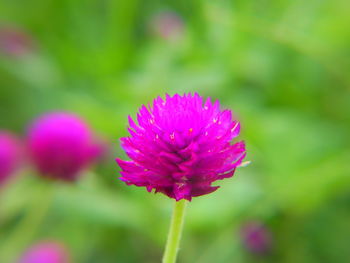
167	25
61	145
181	146
256	237
46	252
14	41
10	155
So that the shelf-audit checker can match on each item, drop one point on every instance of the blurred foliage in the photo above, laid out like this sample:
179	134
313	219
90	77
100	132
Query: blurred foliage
282	66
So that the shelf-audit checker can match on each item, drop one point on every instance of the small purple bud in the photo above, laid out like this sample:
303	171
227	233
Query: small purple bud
61	145
46	252
14	42
10	155
256	238
167	25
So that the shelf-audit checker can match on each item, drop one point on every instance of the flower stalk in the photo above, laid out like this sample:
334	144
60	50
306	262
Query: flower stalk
175	230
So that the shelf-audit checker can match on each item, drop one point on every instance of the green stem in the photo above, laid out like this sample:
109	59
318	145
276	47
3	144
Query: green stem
29	225
174	236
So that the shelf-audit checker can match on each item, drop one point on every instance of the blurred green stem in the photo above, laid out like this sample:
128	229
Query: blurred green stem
175	230
28	226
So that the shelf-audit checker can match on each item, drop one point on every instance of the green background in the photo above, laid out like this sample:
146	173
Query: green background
281	66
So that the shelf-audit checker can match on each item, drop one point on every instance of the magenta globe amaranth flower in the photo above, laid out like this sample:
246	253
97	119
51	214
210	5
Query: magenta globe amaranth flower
14	41
46	252
10	155
168	25
181	146
256	238
61	145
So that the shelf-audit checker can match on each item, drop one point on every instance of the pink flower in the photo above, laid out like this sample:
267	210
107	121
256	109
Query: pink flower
61	145
46	252
181	146
15	42
167	25
256	238
10	155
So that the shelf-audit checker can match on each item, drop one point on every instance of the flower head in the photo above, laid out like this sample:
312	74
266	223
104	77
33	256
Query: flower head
61	145
256	237
181	146
14	41
46	252
167	25
10	155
